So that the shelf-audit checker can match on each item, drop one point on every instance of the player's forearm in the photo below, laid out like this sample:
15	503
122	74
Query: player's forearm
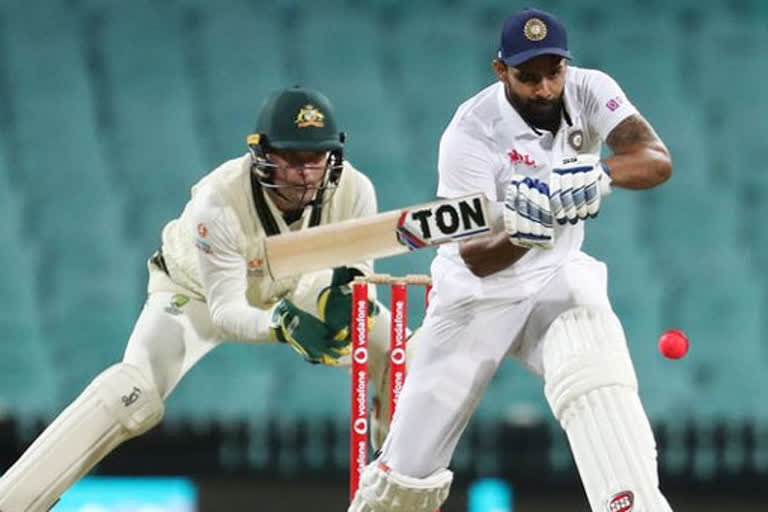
645	167
640	159
490	254
241	322
225	291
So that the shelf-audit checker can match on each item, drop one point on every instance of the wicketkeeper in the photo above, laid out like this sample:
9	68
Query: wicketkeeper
208	284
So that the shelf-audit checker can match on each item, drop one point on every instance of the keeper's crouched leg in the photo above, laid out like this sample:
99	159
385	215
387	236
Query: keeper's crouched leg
120	403
592	390
384	490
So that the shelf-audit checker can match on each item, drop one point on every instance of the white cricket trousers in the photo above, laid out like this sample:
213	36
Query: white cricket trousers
461	343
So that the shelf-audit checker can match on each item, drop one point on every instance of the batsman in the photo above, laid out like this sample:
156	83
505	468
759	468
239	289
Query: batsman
531	141
208	284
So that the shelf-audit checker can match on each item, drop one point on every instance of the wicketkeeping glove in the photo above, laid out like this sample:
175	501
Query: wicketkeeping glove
527	215
315	340
576	187
334	302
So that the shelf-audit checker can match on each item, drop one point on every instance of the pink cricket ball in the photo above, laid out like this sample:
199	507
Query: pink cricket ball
673	344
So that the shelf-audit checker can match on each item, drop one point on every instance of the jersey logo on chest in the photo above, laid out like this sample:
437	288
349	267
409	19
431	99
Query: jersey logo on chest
576	139
521	158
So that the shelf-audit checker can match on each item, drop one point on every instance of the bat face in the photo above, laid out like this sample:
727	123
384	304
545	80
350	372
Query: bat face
449	220
383	235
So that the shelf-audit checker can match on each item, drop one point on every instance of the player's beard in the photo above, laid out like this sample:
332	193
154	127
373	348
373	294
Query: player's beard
543	114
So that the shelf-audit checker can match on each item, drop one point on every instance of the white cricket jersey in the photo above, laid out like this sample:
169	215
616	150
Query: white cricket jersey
487	142
214	250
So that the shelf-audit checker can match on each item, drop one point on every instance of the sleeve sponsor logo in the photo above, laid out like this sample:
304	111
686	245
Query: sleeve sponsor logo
614	103
256	267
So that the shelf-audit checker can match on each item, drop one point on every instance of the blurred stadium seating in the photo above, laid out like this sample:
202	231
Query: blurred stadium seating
110	111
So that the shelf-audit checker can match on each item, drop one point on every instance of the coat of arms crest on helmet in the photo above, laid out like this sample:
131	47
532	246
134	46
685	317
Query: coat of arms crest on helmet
309	115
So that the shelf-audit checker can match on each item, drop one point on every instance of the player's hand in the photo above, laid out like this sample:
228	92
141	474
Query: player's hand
576	187
527	215
315	340
334	302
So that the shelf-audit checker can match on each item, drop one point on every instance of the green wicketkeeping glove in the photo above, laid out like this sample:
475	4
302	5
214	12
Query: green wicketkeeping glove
334	302
316	341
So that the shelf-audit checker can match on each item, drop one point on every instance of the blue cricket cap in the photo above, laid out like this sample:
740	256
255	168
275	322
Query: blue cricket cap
530	33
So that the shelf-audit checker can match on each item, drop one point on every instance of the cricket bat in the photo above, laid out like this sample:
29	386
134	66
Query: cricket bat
380	236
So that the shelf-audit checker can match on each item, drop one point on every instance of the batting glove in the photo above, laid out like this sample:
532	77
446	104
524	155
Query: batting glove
576	187
527	214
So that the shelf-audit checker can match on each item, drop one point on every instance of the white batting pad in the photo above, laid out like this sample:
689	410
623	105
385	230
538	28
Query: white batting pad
592	390
119	404
384	490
